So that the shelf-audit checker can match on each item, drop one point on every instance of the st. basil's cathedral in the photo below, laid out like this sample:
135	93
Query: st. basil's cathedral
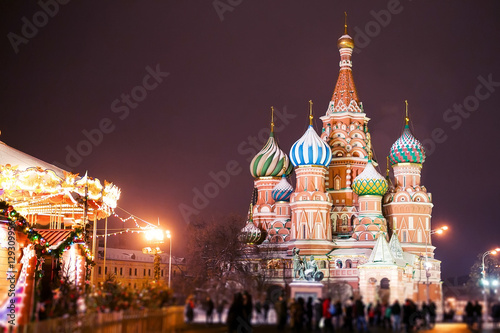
370	235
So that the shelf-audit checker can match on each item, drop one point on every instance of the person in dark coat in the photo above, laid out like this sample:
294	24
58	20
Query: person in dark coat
247	307
349	315
432	314
469	314
309	314
265	310
409	315
209	310
359	307
220	309
281	313
318	313
495	313
396	316
189	309
478	315
236	314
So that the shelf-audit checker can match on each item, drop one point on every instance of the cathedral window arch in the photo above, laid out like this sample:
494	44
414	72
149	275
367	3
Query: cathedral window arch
338	263
348	263
336	183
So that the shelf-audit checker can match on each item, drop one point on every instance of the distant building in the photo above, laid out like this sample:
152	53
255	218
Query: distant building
368	233
134	268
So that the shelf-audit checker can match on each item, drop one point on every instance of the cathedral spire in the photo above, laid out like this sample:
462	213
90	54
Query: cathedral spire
407	119
345	23
345	90
272	120
310	112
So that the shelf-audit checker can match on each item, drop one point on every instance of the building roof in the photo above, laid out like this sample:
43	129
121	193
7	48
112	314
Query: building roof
23	161
133	256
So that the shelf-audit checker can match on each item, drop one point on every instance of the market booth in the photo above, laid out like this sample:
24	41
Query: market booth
47	217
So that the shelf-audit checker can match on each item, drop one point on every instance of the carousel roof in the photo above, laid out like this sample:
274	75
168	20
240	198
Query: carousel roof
23	161
33	186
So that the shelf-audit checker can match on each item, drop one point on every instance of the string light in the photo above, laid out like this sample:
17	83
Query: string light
121	232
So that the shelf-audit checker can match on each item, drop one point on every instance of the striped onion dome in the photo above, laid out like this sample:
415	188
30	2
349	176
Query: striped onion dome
282	191
250	234
271	161
407	149
310	150
369	182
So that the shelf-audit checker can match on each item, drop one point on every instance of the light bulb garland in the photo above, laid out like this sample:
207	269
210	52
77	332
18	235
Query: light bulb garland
121	232
41	246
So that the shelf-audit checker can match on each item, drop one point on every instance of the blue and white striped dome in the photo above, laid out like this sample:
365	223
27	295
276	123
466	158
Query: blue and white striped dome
282	191
310	150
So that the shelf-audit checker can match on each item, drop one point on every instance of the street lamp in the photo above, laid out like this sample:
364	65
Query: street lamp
169	236
485	282
427	264
154	237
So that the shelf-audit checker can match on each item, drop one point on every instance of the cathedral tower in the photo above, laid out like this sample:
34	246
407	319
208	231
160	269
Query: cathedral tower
310	203
408	206
267	167
344	129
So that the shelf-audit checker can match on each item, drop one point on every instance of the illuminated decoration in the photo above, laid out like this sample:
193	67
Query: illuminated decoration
42	246
39	191
121	232
4	236
21	284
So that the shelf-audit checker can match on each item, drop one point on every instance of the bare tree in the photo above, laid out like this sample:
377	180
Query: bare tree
214	253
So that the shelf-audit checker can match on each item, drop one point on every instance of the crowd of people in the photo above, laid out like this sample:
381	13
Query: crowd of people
327	315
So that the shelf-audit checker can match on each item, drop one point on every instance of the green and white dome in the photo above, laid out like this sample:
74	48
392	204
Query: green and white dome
271	161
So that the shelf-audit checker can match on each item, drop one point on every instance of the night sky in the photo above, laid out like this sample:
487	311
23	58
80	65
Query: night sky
218	71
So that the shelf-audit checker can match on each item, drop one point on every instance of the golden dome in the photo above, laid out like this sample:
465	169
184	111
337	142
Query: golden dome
345	42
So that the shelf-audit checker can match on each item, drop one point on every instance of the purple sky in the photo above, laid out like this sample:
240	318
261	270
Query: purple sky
225	71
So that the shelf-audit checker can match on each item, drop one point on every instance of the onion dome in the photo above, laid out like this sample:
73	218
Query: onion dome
345	41
250	234
310	150
407	149
271	161
282	191
369	182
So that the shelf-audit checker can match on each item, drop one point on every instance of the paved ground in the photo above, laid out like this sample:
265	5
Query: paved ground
441	328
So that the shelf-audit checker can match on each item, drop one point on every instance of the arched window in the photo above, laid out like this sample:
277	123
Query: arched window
384	283
338	263
336	185
348	263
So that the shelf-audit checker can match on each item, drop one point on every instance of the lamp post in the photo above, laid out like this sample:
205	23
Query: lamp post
485	282
154	237
169	236
427	264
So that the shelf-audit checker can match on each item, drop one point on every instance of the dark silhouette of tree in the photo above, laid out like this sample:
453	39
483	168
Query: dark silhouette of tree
492	269
214	253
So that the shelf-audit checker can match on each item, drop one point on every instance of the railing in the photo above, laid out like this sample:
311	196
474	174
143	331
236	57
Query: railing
170	319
